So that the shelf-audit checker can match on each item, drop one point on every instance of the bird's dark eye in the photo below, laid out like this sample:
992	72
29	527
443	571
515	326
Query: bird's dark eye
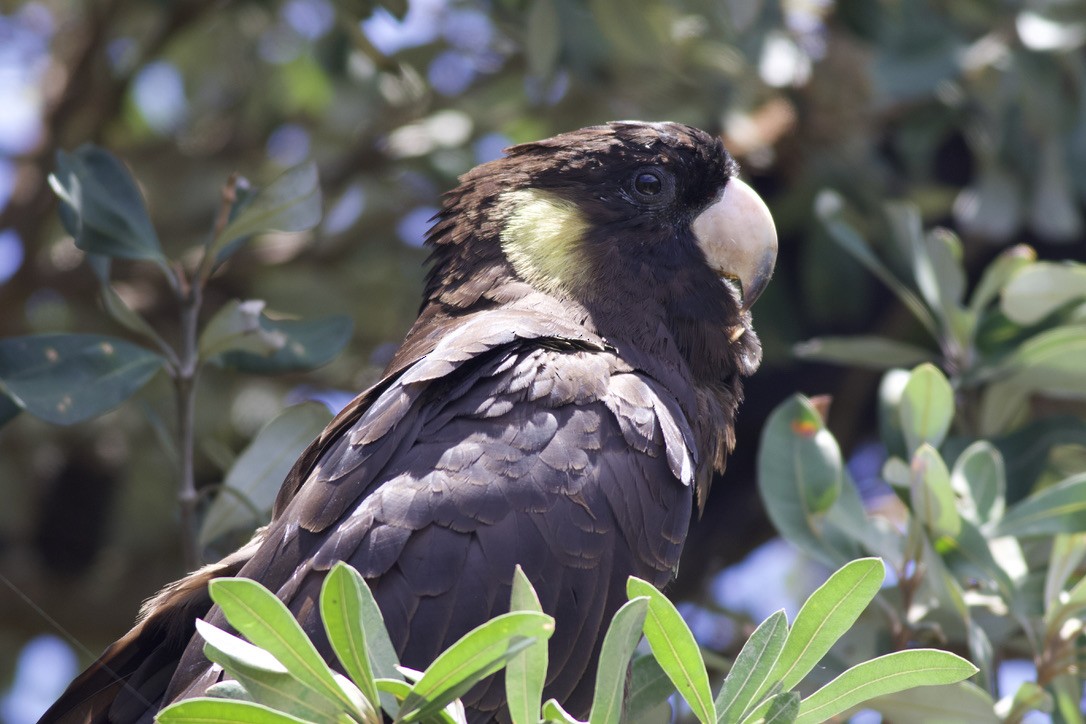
648	184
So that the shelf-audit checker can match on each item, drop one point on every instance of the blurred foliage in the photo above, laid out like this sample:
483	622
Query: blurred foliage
971	113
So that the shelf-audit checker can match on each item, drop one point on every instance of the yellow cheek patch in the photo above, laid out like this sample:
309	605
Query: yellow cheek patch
542	238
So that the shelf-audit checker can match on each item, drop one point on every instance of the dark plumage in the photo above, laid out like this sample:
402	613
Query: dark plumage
561	402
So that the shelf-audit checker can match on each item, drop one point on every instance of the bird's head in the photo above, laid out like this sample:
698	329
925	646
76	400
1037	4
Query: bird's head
641	224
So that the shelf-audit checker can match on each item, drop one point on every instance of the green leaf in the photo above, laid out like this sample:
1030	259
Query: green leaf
1050	362
800	477
222	711
826	615
341	613
262	618
980	481
927	407
749	676
104	209
1040	289
883	675
1057	509
933	500
383	659
863	351
553	712
236	327
307	344
618	647
675	649
526	673
784	708
265	679
997	274
9	409
259	471
229	689
1068	552
649	691
292	202
478	654
829	207
114	305
68	378
961	702
542	38
891	389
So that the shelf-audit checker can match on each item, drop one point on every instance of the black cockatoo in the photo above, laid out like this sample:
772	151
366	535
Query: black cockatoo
562	401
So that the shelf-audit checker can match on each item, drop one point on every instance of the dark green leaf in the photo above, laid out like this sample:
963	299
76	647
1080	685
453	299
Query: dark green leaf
784	708
675	649
927	407
478	654
237	327
862	351
68	378
222	711
749	676
104	209
267	622
308	344
1058	509
341	613
292	202
649	690
618	646
9	409
883	675
526	673
826	615
259	471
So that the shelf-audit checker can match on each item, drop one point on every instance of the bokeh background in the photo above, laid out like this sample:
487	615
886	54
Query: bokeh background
973	110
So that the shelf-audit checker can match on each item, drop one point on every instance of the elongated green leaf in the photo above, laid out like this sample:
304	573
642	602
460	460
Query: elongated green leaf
68	378
980	482
341	613
618	646
265	679
103	208
1068	551
927	407
649	690
553	712
784	708
675	649
478	654
878	353
961	702
292	202
307	344
223	711
259	471
997	273
828	207
383	659
236	327
1041	288
1067	692
883	675
262	618
526	673
1058	509
933	499
825	616
749	677
1050	362
800	476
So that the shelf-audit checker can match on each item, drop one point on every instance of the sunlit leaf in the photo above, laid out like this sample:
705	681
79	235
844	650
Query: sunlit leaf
749	675
68	378
1039	289
961	702
478	654
618	646
104	205
980	481
932	497
223	711
826	615
883	675
257	474
341	614
675	649
783	709
927	407
526	673
553	712
1068	552
1058	509
1050	362
998	273
307	344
